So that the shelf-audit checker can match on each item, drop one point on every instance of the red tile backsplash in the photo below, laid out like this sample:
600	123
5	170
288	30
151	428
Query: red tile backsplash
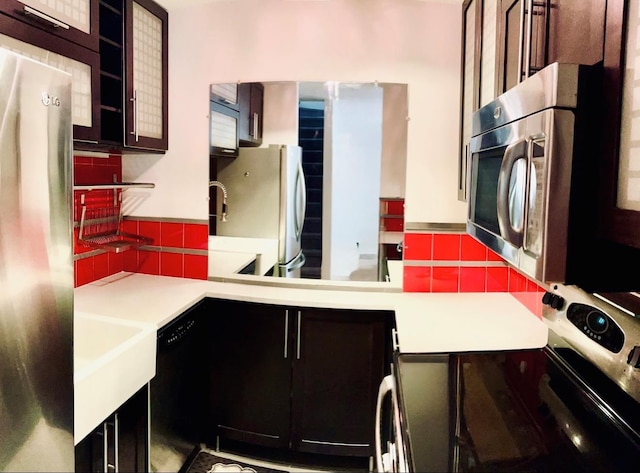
472	250
445	279
455	262
446	246
473	279
171	264
416	279
418	246
92	264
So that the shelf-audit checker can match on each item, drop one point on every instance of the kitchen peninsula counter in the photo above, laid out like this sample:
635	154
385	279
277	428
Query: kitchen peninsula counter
425	322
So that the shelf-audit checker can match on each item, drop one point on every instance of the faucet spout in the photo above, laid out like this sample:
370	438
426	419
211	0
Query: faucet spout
223	215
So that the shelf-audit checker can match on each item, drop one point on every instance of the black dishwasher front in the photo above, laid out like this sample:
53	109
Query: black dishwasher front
178	390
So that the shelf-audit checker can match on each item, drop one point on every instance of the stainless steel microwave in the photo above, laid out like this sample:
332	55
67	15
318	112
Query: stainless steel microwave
532	179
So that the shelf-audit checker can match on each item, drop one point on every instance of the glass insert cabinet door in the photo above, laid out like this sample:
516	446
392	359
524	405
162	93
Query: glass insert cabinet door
75	13
146	72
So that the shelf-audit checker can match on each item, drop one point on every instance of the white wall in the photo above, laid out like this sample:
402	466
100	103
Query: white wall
403	41
355	152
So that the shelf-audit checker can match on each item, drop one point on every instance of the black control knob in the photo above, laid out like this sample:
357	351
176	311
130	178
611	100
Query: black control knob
634	357
553	300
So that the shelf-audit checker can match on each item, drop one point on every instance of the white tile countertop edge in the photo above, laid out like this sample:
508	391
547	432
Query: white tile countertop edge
425	322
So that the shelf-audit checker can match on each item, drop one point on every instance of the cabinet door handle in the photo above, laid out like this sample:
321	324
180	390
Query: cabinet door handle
43	16
521	44
134	99
286	333
298	335
527	56
254	132
105	447
116	441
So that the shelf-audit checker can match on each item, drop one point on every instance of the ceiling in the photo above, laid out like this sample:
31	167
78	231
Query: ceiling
177	4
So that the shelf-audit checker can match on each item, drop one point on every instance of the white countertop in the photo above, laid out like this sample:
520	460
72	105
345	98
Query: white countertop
425	322
227	253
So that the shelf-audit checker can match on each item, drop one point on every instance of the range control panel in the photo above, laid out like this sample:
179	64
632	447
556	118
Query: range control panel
596	325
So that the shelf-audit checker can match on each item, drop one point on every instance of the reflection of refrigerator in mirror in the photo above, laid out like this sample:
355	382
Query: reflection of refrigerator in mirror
36	267
266	198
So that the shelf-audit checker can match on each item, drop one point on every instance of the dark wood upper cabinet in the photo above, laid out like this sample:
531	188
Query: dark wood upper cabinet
82	63
146	75
478	73
73	20
536	33
619	184
250	102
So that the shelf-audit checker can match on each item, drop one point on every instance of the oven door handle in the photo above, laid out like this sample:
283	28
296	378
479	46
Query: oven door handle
396	461
509	211
387	386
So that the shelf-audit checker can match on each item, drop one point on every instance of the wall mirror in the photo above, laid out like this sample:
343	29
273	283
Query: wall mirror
353	139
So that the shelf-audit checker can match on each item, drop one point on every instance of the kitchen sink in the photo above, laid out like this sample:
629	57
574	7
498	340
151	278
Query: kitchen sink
113	359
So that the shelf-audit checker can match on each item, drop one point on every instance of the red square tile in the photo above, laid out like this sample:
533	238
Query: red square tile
196	266
130	261
497	279
130	226
116	262
445	279
517	282
393	224
446	246
101	266
472	250
171	264
196	236
417	246
473	279
148	262
493	256
84	271
172	235
416	279
395	207
150	229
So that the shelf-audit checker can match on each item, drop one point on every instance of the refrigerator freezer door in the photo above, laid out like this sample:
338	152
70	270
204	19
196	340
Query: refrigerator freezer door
252	181
36	267
293	203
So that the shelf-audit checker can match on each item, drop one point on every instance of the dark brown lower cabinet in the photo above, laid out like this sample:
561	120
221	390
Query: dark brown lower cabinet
120	443
250	373
302	379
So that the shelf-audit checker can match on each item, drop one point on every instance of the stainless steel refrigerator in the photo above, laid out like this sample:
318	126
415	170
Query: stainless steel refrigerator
266	198
36	267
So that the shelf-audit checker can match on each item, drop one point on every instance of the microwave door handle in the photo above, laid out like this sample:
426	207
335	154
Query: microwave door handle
513	153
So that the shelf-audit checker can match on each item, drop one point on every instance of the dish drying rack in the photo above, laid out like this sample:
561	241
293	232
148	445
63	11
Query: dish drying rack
100	226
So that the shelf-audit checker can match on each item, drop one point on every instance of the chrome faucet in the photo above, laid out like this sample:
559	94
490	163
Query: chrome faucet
223	216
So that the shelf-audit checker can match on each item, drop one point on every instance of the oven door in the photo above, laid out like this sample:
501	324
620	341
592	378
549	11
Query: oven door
518	171
540	411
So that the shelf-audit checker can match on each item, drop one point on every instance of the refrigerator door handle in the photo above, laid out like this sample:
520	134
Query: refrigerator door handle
300	196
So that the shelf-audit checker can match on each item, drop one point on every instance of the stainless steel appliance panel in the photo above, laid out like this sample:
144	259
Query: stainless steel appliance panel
267	199
36	267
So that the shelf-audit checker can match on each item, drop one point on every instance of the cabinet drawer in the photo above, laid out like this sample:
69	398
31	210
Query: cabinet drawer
73	20
81	63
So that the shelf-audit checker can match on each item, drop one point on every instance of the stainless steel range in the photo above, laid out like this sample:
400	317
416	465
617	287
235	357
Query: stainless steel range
573	405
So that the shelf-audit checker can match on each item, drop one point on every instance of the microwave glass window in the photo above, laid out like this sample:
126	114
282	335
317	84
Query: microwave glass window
487	169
